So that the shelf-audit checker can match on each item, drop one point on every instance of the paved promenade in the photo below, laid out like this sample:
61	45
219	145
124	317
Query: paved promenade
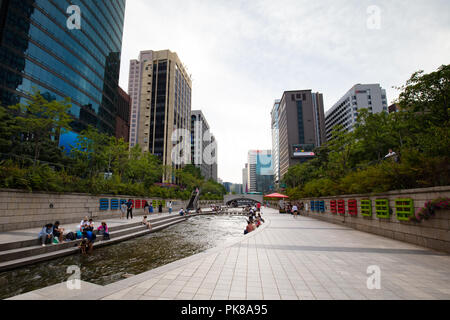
287	259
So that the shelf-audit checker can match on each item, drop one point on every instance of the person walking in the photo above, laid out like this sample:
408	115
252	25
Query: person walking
123	210
170	207
150	208
130	209
160	207
295	210
146	207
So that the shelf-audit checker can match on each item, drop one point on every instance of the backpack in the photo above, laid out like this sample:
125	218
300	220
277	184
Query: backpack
71	236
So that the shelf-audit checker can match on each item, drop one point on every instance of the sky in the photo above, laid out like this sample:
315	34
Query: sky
244	54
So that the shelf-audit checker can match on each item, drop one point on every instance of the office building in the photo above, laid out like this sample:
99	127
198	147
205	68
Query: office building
202	141
260	171
245	179
123	115
345	111
214	155
275	141
39	50
161	91
301	127
236	188
227	186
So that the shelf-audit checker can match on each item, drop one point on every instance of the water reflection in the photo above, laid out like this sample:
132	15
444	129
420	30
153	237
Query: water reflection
109	264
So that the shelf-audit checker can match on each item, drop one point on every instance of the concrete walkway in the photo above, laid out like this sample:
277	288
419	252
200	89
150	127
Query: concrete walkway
288	259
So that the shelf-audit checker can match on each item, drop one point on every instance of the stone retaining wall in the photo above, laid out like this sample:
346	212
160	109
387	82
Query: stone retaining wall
20	209
433	233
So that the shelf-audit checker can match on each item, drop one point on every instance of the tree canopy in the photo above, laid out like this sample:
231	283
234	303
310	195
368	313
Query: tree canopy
354	162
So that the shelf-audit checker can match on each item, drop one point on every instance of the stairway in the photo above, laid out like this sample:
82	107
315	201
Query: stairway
18	254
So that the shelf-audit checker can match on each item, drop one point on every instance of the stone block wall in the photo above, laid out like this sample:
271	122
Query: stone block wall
20	209
433	233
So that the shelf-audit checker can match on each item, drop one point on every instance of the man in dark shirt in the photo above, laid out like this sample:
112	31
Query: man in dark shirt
130	209
58	232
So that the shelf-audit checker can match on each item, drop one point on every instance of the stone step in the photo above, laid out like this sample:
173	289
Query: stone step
35	242
39	249
65	251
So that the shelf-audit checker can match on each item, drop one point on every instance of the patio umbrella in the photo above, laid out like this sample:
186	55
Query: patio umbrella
276	195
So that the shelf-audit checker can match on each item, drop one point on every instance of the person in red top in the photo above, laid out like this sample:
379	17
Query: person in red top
258	207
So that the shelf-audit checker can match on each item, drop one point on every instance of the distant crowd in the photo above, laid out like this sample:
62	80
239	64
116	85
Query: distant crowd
254	218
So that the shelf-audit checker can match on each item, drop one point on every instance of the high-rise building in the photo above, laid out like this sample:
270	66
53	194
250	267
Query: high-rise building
214	155
161	91
245	179
123	115
260	171
301	127
227	186
41	48
345	111
236	188
276	140
203	141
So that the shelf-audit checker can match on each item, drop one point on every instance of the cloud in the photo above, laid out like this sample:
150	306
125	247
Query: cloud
244	54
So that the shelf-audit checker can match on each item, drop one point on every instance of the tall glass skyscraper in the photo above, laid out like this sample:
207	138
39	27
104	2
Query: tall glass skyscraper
39	49
260	171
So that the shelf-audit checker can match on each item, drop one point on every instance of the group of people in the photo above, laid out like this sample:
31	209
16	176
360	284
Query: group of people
294	208
254	219
127	207
54	234
51	234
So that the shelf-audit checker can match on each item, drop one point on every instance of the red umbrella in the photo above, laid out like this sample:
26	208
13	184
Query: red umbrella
276	195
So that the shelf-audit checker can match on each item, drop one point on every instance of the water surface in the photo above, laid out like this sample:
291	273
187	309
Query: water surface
108	264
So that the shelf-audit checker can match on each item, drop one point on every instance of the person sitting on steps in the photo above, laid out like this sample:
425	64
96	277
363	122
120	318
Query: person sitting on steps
58	232
103	230
46	234
147	223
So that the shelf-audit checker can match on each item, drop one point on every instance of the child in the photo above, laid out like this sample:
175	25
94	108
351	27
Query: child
103	229
83	245
123	210
146	223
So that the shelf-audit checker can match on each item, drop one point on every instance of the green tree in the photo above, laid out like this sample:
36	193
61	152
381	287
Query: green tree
40	122
7	130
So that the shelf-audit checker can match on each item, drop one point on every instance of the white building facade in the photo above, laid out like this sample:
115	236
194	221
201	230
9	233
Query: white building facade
345	111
